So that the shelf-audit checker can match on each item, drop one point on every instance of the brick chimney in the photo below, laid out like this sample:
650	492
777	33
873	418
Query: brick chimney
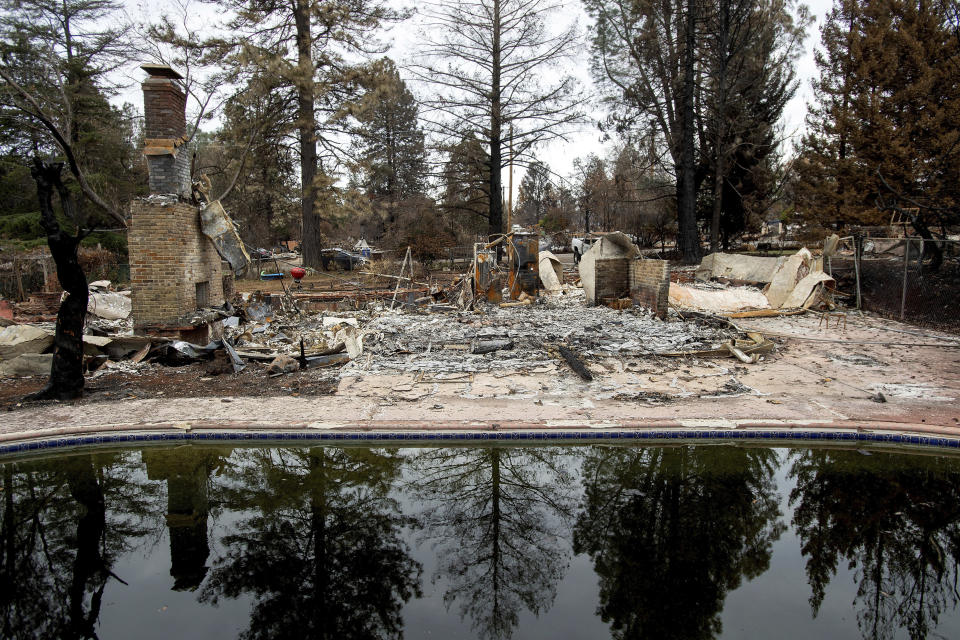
164	110
174	268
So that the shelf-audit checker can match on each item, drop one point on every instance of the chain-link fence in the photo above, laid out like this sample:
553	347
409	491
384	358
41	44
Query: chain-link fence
909	279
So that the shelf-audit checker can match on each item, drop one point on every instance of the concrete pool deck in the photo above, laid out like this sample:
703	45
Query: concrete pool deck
818	379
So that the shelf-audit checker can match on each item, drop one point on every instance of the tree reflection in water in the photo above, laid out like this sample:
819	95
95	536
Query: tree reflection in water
62	526
672	530
498	519
894	519
321	551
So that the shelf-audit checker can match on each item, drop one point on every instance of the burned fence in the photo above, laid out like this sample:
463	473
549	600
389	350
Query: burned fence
909	279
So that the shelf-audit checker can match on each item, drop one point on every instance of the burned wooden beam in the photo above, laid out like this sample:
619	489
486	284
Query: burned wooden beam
575	363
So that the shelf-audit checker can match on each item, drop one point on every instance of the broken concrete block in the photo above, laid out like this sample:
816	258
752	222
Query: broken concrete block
18	339
27	364
95	345
110	306
122	346
351	339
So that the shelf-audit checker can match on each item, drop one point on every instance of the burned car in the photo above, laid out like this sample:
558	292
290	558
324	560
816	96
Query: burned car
341	259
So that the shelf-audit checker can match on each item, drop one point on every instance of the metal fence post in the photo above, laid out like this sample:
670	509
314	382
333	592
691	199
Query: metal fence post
906	263
857	252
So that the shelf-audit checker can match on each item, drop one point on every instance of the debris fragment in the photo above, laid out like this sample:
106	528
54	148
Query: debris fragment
282	364
18	339
551	273
738	267
489	346
217	225
575	363
107	304
26	364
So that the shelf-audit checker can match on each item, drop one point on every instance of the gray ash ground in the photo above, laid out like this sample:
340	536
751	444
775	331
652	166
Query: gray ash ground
437	343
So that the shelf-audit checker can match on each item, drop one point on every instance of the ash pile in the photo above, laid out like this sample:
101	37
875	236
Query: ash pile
521	338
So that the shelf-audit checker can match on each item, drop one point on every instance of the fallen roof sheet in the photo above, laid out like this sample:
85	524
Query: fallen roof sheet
717	300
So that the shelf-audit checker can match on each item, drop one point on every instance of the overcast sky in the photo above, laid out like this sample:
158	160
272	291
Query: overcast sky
405	39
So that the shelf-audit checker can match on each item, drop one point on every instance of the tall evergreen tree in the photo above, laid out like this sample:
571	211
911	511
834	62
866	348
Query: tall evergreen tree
465	183
886	123
532	196
311	48
392	155
751	49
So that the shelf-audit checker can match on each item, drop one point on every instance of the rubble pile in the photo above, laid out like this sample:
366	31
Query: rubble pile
519	337
788	283
464	328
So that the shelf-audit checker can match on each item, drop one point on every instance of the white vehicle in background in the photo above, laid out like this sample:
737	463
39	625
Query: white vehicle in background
580	245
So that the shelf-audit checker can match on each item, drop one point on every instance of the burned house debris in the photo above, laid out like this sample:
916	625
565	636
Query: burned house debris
789	283
408	336
515	310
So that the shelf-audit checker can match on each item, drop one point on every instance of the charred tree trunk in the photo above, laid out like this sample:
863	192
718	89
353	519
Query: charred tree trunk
496	128
66	372
688	237
310	241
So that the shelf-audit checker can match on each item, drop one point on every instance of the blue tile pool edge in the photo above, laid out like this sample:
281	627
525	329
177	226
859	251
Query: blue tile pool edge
432	437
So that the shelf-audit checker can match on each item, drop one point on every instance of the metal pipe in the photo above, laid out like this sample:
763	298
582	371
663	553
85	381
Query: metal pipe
906	263
857	250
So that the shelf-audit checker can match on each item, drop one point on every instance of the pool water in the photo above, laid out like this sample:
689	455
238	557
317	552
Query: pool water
679	541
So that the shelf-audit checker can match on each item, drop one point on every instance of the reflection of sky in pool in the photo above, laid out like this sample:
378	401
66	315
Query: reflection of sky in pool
493	542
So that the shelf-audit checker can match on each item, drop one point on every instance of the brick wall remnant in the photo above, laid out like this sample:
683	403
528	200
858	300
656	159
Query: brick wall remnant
611	278
646	282
650	285
169	255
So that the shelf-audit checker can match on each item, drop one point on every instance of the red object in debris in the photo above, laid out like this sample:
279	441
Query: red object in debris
6	311
297	273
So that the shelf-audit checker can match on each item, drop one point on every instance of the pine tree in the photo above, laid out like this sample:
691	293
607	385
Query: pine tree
532	195
312	49
886	123
465	179
390	142
751	49
491	63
